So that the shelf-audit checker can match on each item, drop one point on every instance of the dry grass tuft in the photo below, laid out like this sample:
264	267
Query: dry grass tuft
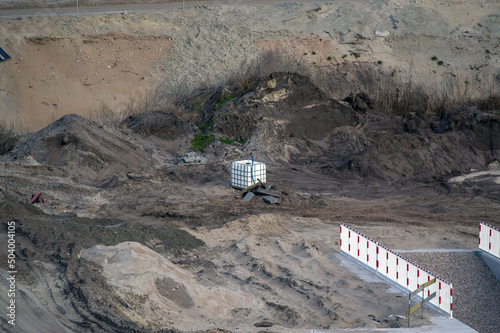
397	92
8	139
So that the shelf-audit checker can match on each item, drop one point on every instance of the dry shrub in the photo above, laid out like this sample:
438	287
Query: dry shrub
105	115
402	94
398	92
8	139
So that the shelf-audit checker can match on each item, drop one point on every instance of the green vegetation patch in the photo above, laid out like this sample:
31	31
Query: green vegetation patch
207	125
224	98
439	62
201	141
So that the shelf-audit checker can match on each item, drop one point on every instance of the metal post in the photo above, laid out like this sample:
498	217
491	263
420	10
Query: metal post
422	315
409	308
183	5
76	8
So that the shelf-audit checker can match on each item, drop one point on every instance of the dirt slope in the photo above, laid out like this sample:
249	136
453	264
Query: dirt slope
122	62
287	119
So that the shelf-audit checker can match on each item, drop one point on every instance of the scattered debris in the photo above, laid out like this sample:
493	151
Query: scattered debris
252	187
269	194
394	321
263	323
270	200
249	196
381	33
342	34
3	55
139	176
360	36
455	29
192	157
495	165
37	198
394	21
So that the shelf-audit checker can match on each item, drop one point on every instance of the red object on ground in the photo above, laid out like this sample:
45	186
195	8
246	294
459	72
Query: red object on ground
37	198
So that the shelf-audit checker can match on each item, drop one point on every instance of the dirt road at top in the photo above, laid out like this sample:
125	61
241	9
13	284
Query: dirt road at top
96	8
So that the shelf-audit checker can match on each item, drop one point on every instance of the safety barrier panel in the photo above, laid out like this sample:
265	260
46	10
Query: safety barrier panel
489	239
394	267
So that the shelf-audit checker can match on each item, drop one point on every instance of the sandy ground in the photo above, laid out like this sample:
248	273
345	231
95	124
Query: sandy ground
116	62
107	259
260	263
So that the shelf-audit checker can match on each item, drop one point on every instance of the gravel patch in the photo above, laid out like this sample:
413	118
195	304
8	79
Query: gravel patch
476	291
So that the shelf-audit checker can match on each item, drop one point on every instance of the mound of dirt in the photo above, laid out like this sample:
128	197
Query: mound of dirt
84	148
166	130
165	288
164	125
287	119
284	119
293	271
68	292
414	149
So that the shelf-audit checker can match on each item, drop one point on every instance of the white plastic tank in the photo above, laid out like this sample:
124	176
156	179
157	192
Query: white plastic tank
246	173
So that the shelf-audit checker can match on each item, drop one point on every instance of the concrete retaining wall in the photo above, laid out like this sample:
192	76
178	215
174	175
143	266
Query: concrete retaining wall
395	268
489	244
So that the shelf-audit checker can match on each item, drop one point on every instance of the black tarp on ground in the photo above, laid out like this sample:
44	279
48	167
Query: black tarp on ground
3	55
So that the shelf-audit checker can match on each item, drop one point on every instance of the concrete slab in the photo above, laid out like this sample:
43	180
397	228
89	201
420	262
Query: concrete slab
270	200
435	250
492	262
249	196
439	324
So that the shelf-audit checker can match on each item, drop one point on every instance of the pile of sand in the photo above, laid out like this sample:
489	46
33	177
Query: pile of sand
84	147
171	296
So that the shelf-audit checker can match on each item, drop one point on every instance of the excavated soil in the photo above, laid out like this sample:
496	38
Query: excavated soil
131	238
147	243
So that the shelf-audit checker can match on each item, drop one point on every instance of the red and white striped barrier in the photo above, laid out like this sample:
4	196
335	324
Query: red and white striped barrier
394	267
489	239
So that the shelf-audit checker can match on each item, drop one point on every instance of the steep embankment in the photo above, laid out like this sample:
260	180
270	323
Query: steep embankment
91	65
284	119
287	119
